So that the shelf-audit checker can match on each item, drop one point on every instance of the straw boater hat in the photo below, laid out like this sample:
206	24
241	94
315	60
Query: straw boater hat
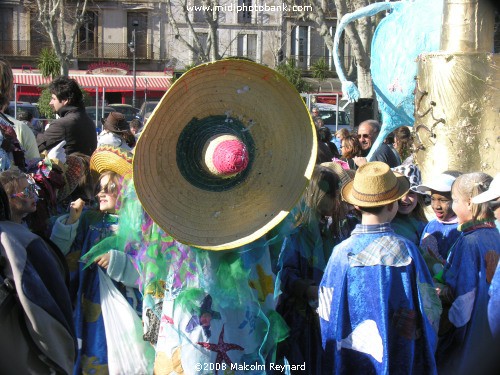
375	184
225	155
109	158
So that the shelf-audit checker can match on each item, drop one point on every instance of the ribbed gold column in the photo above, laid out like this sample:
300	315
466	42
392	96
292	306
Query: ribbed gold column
457	101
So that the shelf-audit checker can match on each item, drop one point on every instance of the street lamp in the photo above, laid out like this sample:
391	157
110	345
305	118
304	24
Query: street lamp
132	47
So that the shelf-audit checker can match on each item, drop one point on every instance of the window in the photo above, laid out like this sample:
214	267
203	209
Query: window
300	45
247	46
38	37
87	35
203	40
198	14
141	33
245	15
6	26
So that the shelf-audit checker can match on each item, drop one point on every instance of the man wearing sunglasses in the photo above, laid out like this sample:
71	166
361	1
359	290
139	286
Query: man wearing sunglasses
368	132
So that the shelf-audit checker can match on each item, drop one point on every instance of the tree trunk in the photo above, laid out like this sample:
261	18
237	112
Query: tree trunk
64	67
365	85
55	16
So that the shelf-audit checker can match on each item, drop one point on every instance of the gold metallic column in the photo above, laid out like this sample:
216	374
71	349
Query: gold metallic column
457	100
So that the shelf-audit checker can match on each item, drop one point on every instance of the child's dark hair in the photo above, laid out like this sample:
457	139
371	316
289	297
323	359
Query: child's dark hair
24	115
324	182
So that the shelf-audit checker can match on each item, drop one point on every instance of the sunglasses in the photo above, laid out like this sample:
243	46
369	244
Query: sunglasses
109	188
363	136
30	191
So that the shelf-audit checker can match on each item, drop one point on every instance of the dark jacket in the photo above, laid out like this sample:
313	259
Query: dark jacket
36	325
385	154
75	127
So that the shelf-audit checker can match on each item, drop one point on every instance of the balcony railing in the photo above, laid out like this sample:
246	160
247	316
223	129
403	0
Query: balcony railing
82	50
305	62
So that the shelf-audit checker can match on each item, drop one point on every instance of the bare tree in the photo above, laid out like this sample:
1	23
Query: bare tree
179	13
360	38
359	35
61	20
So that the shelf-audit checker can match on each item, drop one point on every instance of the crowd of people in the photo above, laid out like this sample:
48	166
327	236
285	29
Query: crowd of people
373	271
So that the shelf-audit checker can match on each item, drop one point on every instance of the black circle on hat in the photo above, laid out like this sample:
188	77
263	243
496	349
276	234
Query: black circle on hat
190	151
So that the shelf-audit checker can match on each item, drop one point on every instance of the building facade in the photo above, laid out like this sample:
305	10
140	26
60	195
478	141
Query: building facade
170	34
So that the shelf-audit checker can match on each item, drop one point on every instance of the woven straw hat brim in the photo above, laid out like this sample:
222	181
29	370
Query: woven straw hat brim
344	175
376	197
285	153
108	158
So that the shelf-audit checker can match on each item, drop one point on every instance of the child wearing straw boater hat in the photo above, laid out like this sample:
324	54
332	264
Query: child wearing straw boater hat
378	308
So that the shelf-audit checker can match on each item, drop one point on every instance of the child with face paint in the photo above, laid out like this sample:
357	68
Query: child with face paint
439	234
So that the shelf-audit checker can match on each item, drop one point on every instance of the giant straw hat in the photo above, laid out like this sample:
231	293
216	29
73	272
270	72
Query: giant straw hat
225	155
375	184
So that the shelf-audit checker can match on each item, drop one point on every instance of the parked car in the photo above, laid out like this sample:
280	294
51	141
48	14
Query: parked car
127	110
98	113
14	108
328	113
146	109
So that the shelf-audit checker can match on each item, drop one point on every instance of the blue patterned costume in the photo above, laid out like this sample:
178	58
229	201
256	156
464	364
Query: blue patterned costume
439	237
92	227
303	259
378	309
494	304
468	273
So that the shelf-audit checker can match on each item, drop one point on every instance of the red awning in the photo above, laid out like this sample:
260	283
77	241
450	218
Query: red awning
110	83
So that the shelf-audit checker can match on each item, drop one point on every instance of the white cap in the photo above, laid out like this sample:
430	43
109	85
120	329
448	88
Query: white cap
441	183
492	193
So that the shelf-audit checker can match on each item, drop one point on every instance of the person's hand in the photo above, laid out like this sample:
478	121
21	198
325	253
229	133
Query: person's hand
75	211
103	260
58	152
359	161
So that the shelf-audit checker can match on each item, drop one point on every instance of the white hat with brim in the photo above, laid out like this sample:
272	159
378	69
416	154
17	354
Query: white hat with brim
491	194
441	183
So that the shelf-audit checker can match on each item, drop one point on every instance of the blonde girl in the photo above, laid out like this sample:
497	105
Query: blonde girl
467	275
